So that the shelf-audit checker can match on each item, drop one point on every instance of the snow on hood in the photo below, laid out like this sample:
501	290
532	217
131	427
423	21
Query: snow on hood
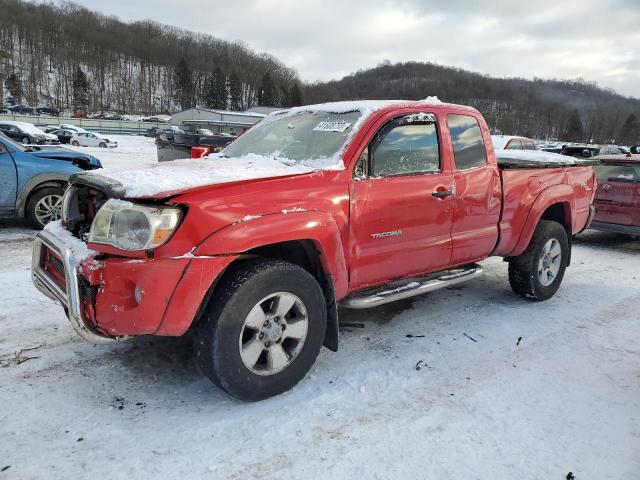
178	175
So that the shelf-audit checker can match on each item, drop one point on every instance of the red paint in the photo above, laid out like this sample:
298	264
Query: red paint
617	199
366	232
200	151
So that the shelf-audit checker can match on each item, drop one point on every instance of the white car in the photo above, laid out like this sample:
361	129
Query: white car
91	139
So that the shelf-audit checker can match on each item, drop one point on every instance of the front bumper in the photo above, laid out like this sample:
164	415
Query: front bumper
68	294
118	297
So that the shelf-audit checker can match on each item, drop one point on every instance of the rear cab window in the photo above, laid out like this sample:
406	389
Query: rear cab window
468	145
514	145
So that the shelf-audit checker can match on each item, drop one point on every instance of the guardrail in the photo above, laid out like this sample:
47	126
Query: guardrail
122	127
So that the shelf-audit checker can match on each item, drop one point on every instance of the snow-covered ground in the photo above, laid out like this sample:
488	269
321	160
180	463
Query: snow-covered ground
471	382
131	151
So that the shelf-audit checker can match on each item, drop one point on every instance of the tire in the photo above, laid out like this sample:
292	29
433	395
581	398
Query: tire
538	272
224	329
25	140
44	206
75	143
102	145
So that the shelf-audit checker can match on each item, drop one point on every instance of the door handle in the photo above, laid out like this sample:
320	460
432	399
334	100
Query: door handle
442	193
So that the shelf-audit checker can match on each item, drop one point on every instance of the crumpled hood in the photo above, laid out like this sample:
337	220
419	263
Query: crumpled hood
171	178
81	160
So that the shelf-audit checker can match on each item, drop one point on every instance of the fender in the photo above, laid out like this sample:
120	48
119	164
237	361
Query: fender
563	194
38	181
317	226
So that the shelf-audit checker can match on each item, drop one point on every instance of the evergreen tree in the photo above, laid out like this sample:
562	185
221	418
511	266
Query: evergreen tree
80	91
235	91
14	86
630	131
295	96
216	90
183	85
574	131
267	92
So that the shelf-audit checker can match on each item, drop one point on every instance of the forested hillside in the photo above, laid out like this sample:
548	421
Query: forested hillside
575	111
66	56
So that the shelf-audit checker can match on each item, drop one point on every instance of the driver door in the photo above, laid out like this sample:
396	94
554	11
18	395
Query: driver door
402	209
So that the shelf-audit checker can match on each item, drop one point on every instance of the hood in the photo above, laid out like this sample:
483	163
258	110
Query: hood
80	160
171	178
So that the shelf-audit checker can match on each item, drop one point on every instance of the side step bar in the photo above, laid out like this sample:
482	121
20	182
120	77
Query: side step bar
410	287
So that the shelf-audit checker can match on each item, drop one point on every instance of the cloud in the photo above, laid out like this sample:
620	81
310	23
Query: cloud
596	40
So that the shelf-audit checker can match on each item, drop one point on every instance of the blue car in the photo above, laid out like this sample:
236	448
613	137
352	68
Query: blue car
33	179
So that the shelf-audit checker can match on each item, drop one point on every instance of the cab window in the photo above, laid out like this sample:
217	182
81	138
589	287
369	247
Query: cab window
468	146
528	145
514	145
405	146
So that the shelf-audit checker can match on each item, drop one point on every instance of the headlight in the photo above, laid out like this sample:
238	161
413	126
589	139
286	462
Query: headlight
128	226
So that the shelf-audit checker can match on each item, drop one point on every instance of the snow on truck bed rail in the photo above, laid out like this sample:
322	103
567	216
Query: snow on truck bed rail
537	159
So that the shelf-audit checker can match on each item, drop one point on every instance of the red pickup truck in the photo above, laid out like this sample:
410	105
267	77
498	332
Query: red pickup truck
354	204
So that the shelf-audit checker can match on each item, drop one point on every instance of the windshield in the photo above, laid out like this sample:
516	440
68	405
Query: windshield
314	139
618	172
11	144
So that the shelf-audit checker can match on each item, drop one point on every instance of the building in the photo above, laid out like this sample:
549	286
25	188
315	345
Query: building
218	121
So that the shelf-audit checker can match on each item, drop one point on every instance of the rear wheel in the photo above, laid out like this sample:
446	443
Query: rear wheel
44	206
75	143
263	329
538	272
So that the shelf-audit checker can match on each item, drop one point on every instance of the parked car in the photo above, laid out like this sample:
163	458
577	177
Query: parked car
580	151
33	179
172	145
64	136
74	128
3	110
507	142
617	198
27	133
612	150
20	109
357	203
79	115
54	112
152	132
92	139
157	118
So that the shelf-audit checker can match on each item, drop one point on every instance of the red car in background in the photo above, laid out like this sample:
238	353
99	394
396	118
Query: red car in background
617	198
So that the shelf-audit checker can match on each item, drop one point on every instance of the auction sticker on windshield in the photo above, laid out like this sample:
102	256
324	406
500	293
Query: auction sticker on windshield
338	126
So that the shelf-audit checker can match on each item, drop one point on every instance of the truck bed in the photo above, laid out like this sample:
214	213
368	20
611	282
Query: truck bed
527	179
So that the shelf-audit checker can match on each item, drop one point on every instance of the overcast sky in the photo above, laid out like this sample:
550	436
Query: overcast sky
598	40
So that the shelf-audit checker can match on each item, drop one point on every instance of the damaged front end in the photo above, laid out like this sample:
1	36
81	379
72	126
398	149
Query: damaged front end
54	273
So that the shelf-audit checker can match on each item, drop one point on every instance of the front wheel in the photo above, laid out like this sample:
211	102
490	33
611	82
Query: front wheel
262	330
102	145
538	272
75	143
44	206
25	140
